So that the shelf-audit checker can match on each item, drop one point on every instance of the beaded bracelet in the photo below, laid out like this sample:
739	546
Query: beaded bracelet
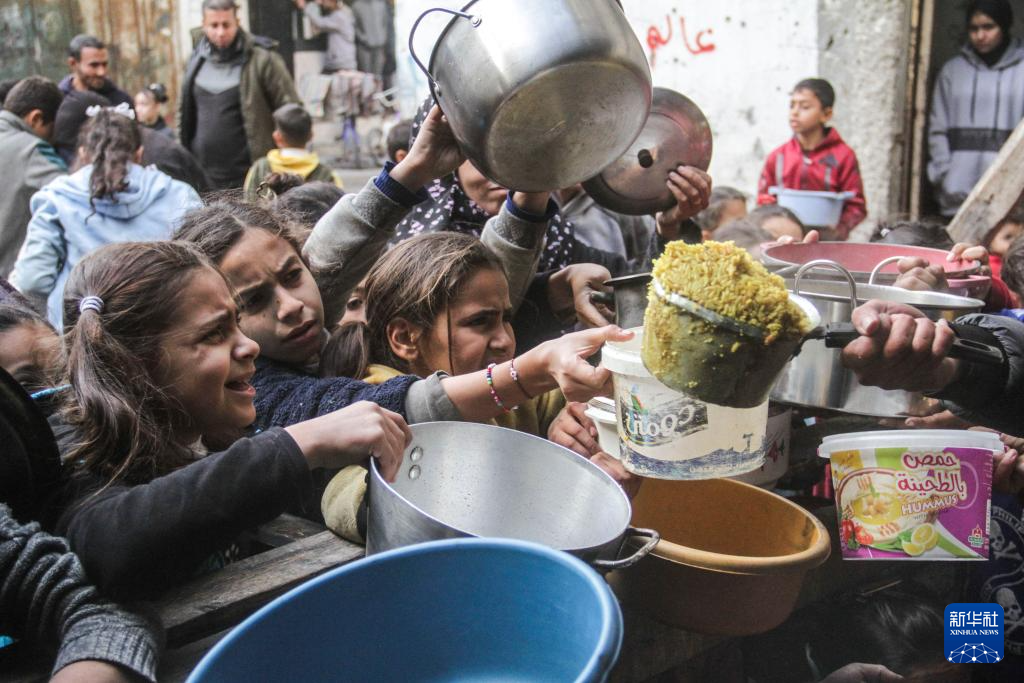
515	378
490	385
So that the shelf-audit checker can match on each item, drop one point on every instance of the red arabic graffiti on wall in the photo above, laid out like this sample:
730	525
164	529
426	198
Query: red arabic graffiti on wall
699	45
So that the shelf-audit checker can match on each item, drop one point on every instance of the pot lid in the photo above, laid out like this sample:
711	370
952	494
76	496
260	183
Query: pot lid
835	290
676	133
861	258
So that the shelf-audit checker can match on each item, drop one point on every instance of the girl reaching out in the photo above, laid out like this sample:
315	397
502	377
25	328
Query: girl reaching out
160	380
437	302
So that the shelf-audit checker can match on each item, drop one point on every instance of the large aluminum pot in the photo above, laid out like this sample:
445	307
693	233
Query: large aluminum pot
540	94
459	479
817	378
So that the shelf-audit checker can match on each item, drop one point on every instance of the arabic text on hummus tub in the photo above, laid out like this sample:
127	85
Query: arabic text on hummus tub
910	501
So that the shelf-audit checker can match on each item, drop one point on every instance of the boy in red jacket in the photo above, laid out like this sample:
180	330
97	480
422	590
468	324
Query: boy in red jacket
816	158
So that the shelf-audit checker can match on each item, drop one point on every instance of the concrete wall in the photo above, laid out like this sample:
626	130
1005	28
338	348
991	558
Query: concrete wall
863	50
738	61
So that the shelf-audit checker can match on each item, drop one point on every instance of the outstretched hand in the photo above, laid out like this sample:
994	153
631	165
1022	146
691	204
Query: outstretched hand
691	188
565	361
434	154
900	348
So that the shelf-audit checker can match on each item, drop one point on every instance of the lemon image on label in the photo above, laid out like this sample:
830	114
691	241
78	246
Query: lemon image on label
913	549
925	536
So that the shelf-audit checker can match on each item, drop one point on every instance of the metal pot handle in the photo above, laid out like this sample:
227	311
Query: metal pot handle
826	263
882	264
641	552
474	20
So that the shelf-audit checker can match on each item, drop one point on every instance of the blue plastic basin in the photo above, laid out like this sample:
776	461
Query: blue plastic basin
454	610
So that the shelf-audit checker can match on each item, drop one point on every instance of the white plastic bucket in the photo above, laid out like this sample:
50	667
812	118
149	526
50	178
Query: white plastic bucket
668	435
913	494
776	451
602	411
813	208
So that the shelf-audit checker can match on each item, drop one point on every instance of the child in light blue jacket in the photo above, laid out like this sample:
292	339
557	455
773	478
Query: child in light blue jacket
110	199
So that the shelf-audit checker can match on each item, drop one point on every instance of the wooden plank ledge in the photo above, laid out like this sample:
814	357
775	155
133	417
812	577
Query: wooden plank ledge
223	598
994	195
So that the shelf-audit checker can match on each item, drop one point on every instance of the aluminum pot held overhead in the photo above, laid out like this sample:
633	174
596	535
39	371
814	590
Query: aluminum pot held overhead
540	94
459	479
817	378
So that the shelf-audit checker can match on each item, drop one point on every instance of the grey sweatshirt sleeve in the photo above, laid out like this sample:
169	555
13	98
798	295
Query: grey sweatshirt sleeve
938	129
44	594
428	402
518	245
347	241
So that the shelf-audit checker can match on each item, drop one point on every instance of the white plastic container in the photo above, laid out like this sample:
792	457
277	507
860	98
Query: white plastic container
813	208
602	411
913	494
776	452
668	435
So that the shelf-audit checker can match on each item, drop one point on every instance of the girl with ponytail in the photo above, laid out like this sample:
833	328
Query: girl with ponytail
111	198
159	377
439	302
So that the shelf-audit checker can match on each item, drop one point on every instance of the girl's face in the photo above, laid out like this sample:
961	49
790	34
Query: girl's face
29	352
206	361
280	302
146	109
984	33
355	307
1004	237
486	194
481	329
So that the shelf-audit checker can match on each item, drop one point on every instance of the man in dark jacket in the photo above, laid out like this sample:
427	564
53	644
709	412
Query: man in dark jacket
88	61
233	83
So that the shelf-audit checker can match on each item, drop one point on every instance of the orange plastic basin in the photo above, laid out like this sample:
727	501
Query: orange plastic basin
731	559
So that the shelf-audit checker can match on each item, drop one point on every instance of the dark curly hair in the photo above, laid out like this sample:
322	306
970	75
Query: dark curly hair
110	141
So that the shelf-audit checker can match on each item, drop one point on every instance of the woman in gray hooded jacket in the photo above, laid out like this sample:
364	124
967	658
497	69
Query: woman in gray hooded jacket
978	101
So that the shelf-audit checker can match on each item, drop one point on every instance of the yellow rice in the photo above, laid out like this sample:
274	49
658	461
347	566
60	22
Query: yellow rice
724	278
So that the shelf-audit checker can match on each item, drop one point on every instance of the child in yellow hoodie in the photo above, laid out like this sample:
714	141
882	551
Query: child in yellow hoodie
293	129
437	301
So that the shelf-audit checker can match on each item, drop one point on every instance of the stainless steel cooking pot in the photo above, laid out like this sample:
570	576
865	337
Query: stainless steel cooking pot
817	378
459	479
540	94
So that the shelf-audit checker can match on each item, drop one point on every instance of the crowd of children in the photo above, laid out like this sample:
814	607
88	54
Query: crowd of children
208	363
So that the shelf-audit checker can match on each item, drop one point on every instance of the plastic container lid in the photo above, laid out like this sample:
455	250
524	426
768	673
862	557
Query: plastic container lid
598	415
624	358
910	438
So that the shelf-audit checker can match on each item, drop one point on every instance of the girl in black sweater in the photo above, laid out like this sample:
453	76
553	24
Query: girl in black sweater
159	374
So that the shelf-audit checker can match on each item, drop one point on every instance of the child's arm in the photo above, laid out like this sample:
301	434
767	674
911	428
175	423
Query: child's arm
768	179
45	595
556	364
516	236
350	237
42	253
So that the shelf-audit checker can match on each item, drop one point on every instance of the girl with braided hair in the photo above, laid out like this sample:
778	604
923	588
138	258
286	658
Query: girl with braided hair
110	198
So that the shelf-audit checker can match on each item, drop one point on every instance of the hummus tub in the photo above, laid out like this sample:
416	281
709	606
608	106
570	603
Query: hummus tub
666	434
913	494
